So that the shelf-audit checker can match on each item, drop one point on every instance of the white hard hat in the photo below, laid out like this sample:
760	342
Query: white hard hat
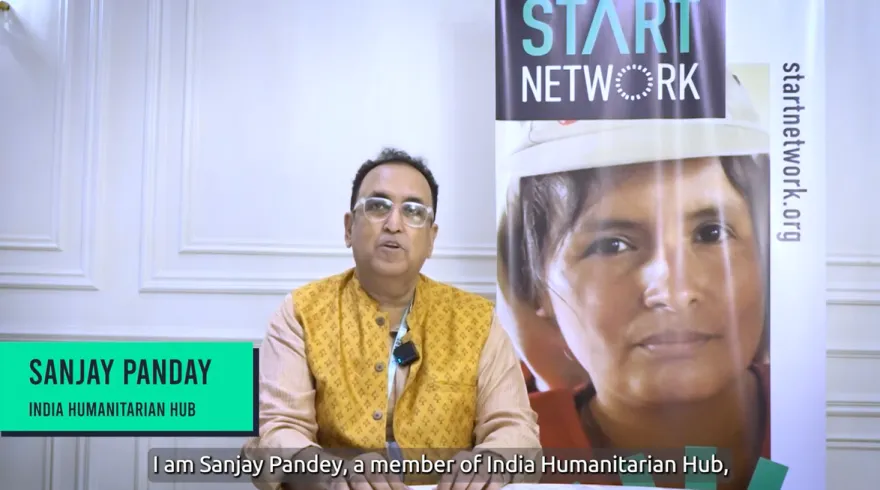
544	147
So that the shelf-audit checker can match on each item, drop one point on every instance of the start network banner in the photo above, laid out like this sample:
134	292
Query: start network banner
611	60
129	389
661	228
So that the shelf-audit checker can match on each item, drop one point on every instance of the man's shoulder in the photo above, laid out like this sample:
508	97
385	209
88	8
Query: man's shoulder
457	296
320	287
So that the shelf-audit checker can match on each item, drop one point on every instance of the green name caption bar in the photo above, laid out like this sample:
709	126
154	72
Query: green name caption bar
171	389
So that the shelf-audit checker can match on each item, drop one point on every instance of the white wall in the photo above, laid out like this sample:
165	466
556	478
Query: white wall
168	168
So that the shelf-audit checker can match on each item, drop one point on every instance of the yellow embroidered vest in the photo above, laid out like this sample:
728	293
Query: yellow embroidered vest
346	336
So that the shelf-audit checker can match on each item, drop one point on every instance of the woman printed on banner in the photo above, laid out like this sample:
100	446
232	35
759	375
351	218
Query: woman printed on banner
633	271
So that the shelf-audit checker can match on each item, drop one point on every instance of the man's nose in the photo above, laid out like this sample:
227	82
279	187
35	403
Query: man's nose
394	222
668	282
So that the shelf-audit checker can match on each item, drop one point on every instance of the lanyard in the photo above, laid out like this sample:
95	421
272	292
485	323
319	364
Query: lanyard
392	363
392	447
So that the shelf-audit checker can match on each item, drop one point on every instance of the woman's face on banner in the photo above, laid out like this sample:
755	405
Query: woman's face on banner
657	287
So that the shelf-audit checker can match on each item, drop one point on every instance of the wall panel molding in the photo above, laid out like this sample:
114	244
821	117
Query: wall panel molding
79	277
53	279
116	334
157	233
854	294
201	283
865	408
854	353
51	241
83	458
854	260
852	444
38	243
157	77
48	459
860	285
69	464
257	248
853	424
141	450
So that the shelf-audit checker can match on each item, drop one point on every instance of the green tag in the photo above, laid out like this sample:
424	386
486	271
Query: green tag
132	389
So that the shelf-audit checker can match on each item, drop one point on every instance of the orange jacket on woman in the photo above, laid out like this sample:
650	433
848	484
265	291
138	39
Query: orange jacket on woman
562	432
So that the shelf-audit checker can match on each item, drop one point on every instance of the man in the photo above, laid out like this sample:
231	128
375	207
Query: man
385	360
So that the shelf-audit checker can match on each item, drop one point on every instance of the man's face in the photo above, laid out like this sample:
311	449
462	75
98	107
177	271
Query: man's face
393	244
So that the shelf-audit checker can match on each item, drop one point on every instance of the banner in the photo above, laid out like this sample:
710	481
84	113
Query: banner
131	389
661	214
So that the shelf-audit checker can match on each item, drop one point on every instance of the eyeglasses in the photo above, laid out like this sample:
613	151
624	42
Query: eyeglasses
376	209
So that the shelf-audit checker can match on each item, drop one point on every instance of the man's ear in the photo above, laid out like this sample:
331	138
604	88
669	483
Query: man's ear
349	222
431	237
